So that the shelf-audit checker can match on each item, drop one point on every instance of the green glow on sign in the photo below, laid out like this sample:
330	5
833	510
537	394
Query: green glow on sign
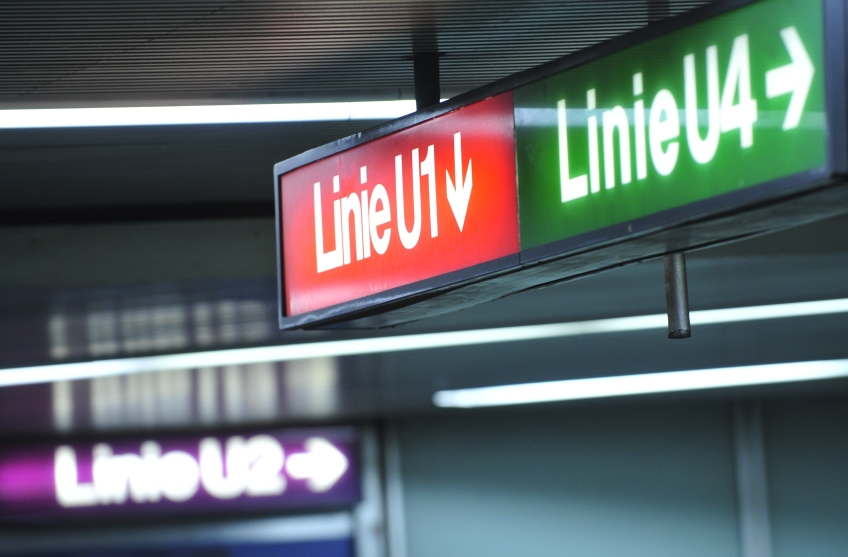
719	106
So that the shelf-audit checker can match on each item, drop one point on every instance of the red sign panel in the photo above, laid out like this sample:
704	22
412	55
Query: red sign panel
430	199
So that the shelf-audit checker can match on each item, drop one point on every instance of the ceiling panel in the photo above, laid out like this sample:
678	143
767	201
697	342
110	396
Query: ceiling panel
101	51
80	53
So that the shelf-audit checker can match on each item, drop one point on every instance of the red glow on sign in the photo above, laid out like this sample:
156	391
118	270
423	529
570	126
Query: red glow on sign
431	199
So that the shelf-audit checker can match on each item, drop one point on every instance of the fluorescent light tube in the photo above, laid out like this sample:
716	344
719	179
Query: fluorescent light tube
648	383
203	114
261	354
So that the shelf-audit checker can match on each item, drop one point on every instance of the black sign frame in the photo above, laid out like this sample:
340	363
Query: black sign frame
767	207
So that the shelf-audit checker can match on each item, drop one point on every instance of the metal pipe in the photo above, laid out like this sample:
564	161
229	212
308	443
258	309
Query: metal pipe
426	73
677	295
658	10
751	481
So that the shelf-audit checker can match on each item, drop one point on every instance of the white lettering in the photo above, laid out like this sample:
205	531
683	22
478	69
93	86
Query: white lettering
331	259
366	227
218	481
174	475
111	474
351	206
570	188
616	119
740	116
379	217
253	467
408	238
795	77
144	482
69	491
179	476
594	166
428	169
702	150
265	457
321	465
664	125
459	195
639	117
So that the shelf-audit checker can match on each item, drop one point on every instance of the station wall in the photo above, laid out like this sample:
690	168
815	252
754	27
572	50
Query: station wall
621	480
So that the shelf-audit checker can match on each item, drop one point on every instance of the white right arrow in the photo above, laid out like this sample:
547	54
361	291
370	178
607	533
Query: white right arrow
321	465
459	196
795	77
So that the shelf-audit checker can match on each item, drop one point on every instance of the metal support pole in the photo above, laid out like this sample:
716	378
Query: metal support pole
677	295
426	73
395	506
751	481
369	519
658	10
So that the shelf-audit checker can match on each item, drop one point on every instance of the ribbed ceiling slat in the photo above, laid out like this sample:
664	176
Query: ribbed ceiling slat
54	51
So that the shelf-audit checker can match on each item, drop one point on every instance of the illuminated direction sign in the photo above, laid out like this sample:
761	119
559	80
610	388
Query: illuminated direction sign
733	102
652	143
431	199
259	471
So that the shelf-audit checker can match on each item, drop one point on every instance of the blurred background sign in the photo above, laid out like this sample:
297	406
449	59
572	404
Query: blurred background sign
156	476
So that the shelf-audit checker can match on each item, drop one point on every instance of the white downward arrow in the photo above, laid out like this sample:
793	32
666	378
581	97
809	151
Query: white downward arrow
459	196
321	465
795	77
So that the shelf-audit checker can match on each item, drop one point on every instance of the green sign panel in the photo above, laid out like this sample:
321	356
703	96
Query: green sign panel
722	105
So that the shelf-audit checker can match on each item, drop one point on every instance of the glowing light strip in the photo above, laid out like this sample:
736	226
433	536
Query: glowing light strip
649	383
204	114
262	354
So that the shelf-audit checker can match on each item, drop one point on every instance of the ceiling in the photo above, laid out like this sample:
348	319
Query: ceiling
105	52
138	224
98	53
